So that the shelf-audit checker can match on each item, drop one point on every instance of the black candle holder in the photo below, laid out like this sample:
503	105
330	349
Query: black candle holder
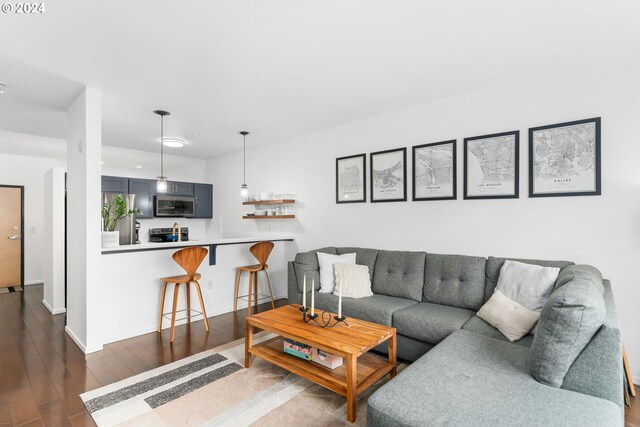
324	320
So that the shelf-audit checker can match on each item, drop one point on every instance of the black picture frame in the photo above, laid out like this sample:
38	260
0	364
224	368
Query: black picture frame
454	182
516	170
597	160
363	174
372	173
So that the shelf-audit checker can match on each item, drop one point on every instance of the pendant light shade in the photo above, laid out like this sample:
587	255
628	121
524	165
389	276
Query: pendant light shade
161	181
244	189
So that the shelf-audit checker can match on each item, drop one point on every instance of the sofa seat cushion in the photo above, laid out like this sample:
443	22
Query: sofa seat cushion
479	326
377	308
430	322
471	379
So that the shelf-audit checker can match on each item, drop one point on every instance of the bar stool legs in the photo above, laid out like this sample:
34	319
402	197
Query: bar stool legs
175	306
173	312
235	294
273	304
204	311
163	291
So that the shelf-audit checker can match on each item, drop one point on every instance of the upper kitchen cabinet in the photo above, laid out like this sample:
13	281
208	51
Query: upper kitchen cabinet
180	188
204	200
144	189
115	184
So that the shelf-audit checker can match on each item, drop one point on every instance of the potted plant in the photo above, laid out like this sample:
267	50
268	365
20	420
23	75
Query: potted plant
114	211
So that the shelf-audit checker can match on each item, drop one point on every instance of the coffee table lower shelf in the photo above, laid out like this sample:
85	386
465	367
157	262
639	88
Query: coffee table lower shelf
370	368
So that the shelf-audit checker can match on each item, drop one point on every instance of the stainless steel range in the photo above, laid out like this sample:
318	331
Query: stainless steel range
162	235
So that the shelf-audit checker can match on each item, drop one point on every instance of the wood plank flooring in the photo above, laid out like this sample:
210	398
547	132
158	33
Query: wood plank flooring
42	371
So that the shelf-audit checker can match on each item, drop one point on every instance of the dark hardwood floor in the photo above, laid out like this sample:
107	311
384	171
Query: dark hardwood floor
42	371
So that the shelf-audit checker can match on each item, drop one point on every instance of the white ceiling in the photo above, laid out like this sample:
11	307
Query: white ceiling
281	68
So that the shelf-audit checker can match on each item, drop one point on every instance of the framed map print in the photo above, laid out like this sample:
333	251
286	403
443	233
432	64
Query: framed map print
351	182
564	159
434	171
491	166
389	176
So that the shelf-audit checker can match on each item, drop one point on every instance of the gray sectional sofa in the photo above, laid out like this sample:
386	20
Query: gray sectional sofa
464	371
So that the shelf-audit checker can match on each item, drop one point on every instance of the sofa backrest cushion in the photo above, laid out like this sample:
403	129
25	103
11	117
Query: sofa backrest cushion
455	280
306	264
571	317
399	274
582	271
364	256
494	264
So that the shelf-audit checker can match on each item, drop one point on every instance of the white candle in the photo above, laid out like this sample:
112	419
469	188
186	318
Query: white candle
340	301
304	291
313	299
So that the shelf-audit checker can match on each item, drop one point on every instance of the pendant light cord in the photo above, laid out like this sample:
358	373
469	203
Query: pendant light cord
162	146
244	159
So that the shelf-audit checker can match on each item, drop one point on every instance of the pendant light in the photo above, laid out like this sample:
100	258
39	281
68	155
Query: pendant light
244	190
161	181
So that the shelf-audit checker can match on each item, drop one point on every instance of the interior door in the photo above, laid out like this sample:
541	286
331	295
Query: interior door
11	247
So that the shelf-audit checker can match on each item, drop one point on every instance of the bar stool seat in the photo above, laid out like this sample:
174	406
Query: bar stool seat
261	252
189	259
254	268
184	278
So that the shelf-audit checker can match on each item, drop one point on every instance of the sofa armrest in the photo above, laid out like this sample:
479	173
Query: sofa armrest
598	369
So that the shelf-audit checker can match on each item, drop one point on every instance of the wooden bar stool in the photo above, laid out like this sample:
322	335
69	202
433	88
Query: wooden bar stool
261	252
189	259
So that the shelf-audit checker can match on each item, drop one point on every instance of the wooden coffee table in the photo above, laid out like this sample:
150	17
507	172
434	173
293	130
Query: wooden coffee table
360	369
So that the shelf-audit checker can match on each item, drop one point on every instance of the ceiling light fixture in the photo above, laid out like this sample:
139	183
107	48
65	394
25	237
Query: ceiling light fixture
161	181
138	167
244	190
3	85
174	142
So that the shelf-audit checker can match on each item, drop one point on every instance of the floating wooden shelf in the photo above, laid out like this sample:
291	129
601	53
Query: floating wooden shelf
267	216
270	202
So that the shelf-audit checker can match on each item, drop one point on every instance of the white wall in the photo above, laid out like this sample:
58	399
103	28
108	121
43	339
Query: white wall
603	231
29	171
54	241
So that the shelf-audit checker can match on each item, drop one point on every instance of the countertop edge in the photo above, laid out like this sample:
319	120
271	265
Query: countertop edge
208	242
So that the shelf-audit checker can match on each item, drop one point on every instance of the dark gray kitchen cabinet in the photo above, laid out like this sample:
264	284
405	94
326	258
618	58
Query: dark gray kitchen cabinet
204	200
115	184
180	188
144	189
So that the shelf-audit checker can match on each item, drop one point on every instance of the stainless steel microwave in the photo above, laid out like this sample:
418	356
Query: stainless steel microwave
174	206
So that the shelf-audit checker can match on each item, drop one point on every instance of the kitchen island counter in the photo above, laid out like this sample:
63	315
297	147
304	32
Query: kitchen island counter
156	246
123	300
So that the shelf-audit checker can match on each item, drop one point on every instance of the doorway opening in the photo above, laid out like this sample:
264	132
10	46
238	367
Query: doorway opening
11	238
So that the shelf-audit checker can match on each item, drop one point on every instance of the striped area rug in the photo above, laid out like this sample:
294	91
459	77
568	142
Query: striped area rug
11	289
213	388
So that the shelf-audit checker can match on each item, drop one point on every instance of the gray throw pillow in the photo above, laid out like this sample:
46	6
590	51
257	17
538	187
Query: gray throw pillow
571	317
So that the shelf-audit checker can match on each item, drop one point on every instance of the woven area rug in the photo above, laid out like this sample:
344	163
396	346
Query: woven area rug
11	289
213	388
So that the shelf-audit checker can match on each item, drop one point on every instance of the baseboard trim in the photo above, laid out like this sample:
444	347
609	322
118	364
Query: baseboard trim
51	310
34	282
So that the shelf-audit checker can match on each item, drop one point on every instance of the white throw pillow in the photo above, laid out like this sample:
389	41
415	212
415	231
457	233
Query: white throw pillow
326	261
509	317
527	284
353	280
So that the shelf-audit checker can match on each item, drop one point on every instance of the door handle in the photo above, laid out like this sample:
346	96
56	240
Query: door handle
13	237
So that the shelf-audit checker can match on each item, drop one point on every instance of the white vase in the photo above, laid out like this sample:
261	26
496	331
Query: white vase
110	239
